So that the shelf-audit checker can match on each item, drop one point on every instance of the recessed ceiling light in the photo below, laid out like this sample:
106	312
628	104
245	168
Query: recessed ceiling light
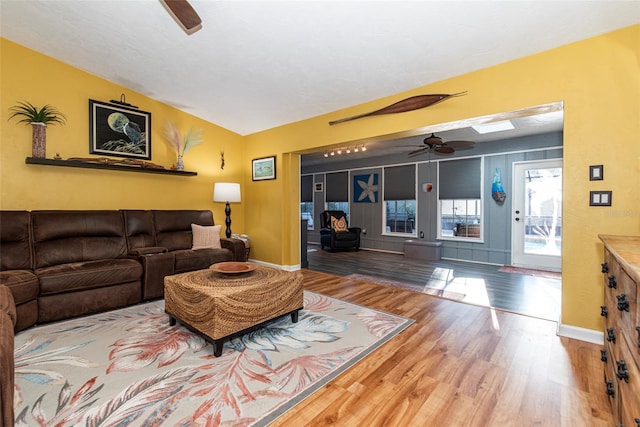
493	127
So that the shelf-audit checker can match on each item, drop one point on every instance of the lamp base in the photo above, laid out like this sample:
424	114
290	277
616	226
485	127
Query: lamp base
227	221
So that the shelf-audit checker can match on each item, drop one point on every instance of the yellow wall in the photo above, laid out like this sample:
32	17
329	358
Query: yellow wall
599	82
597	79
30	76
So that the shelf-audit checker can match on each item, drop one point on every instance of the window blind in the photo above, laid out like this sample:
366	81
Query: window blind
306	188
337	184
400	183
460	179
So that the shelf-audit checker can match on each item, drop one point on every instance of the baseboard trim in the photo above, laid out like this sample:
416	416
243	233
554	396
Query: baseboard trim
582	334
278	266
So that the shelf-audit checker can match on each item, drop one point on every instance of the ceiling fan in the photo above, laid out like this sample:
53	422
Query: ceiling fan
182	12
436	145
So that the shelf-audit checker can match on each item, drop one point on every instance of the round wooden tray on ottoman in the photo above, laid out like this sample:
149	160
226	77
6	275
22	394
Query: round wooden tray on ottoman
223	302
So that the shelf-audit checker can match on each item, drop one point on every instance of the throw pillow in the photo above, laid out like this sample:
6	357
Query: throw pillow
339	225
205	236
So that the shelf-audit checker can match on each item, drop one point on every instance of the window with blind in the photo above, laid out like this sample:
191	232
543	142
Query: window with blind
306	200
337	191
460	199
400	200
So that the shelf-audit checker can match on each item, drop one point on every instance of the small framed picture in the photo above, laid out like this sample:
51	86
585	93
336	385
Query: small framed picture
263	168
318	187
596	173
119	131
600	198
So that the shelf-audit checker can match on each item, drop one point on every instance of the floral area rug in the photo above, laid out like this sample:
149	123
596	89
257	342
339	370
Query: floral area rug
130	368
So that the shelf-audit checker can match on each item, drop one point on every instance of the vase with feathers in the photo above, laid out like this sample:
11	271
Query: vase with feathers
179	144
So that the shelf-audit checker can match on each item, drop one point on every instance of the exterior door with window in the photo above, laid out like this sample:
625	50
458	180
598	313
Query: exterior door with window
536	240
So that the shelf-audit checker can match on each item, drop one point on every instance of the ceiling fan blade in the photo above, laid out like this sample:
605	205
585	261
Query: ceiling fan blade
460	145
418	152
408	104
443	149
183	13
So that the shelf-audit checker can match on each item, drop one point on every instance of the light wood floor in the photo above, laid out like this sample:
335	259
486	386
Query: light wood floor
457	365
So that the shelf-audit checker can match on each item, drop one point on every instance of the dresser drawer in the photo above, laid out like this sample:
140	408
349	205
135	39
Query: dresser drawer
628	387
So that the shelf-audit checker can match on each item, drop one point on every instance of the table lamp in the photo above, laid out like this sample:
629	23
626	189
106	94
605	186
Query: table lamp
227	192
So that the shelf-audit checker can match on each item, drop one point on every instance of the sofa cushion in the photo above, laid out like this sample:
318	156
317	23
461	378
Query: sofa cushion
23	284
173	228
205	236
87	275
199	259
139	229
62	237
15	240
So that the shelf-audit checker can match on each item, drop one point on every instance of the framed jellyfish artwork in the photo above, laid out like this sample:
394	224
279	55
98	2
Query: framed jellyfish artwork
119	130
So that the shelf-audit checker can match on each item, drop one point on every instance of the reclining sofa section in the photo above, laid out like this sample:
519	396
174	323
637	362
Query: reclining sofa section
62	264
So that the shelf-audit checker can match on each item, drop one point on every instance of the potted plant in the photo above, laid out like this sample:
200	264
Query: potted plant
38	119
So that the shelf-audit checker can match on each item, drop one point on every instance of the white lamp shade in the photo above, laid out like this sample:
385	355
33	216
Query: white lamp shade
226	192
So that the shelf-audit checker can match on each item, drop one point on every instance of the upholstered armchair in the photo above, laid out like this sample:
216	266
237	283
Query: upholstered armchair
335	232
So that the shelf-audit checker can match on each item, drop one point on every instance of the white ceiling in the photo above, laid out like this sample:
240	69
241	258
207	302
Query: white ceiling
256	65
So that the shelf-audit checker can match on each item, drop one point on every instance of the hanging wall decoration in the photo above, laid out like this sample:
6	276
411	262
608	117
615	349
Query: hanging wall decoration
365	188
497	191
116	130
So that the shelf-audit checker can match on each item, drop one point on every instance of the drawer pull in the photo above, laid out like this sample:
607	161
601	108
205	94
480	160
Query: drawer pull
637	420
605	267
613	283
623	302
603	356
623	373
611	335
611	391
604	312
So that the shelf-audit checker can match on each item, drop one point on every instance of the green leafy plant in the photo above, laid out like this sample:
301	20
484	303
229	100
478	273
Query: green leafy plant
173	137
31	114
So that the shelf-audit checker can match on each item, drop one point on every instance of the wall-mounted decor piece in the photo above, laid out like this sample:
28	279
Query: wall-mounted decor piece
318	187
119	131
408	104
596	173
263	168
427	187
365	188
600	198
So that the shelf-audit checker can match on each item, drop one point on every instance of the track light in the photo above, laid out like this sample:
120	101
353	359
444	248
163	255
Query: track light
347	150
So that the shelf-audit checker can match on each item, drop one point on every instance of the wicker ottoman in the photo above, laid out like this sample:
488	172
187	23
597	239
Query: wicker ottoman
222	306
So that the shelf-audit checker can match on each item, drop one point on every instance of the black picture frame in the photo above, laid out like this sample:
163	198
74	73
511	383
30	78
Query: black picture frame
263	168
600	198
119	131
596	173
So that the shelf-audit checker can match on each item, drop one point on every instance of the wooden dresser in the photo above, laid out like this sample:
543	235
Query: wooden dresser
621	353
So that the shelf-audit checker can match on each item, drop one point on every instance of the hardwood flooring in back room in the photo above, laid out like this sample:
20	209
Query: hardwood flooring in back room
478	284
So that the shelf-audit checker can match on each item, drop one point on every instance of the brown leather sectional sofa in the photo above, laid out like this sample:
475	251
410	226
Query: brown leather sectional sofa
63	264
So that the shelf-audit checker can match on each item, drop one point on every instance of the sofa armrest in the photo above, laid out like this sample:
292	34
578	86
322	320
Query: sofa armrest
237	248
151	250
7	363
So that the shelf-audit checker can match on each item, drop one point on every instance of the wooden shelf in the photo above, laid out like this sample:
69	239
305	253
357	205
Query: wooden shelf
89	165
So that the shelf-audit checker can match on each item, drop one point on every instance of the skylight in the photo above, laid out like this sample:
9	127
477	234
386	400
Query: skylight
493	127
